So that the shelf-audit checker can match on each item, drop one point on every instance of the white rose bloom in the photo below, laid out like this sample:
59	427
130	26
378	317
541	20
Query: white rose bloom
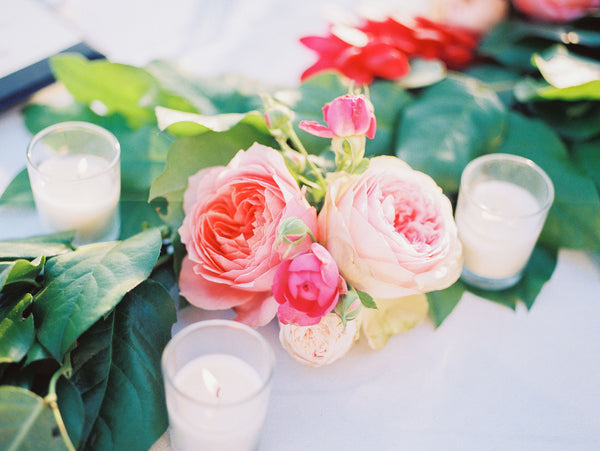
320	344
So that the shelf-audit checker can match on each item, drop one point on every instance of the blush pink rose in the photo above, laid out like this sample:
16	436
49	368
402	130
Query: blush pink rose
557	10
230	233
391	230
346	116
307	287
321	344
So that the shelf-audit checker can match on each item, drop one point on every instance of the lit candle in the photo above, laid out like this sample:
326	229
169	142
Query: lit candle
75	178
501	209
220	416
217	381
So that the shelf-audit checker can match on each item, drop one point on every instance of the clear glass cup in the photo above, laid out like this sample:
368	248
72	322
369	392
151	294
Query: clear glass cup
217	377
75	175
502	205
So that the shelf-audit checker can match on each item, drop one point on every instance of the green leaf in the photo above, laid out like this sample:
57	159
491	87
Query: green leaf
117	370
84	285
71	409
18	192
389	100
423	72
30	248
587	155
130	91
20	271
497	78
571	77
577	121
513	42
538	271
26	422
574	219
366	299
16	332
450	124
189	154
180	123
442	302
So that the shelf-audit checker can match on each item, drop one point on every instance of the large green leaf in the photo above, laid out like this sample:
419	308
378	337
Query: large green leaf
229	93
120	88
577	121
18	192
20	271
117	370
538	271
587	155
189	154
71	408
30	248
26	422
513	42
442	302
16	331
84	285
574	219
450	124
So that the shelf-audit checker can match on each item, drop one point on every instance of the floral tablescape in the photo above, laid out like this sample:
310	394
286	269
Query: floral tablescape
239	195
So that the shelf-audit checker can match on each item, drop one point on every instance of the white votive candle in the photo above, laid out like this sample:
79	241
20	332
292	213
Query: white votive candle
224	413
502	205
217	383
75	179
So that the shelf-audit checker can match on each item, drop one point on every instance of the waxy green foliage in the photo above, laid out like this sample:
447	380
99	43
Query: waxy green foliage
95	315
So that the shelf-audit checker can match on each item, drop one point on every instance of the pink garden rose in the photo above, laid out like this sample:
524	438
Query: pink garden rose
345	116
307	287
557	10
230	231
390	230
320	344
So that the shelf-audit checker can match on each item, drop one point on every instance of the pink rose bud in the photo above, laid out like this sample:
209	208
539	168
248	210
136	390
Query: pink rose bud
278	115
307	287
345	116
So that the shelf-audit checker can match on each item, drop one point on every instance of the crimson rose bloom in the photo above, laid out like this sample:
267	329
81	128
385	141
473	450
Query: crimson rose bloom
388	47
230	233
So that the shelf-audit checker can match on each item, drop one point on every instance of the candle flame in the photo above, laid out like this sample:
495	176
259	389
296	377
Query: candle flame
211	383
82	167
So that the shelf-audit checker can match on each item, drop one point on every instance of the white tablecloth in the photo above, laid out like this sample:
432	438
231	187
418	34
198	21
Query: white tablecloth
487	379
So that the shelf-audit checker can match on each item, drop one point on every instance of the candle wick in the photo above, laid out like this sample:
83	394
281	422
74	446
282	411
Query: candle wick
211	383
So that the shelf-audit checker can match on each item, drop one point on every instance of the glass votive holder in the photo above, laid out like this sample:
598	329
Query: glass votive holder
502	205
217	377
75	175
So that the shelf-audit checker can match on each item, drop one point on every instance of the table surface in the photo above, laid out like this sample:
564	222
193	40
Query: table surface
488	378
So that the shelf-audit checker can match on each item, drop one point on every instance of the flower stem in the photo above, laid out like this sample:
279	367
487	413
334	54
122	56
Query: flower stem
51	400
298	144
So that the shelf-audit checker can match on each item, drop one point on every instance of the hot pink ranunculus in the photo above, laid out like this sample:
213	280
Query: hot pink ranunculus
346	116
556	10
307	287
390	230
230	233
